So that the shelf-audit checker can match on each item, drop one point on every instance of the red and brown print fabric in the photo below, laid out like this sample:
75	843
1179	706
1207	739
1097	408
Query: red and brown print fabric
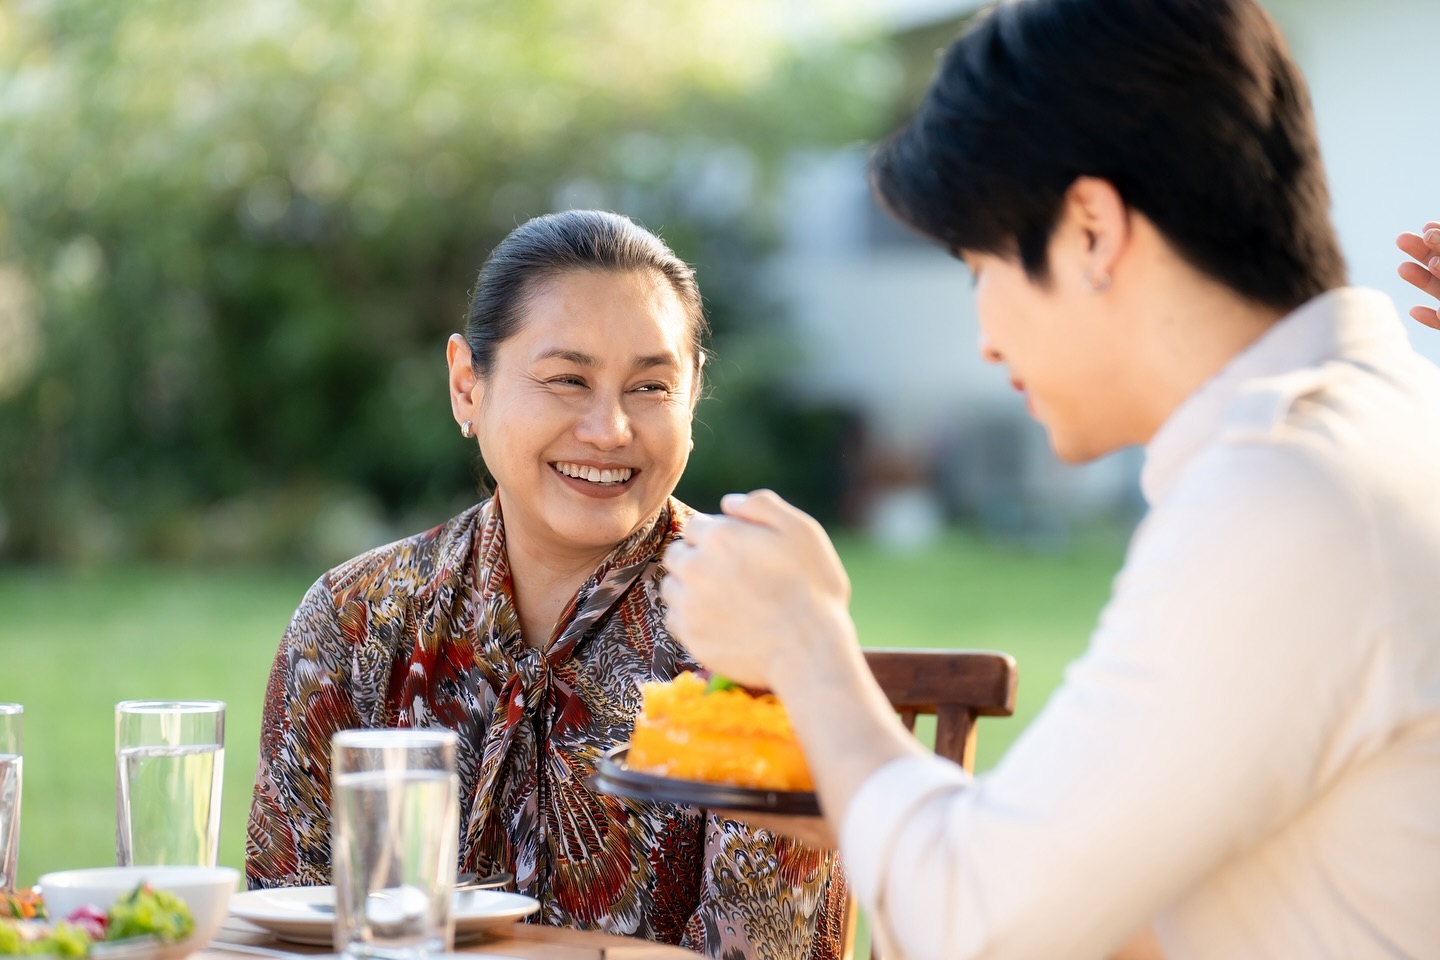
424	633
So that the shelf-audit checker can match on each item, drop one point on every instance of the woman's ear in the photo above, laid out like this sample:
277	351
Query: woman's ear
466	389
697	383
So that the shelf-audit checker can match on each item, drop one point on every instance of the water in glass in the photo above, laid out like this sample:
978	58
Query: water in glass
10	769
393	842
399	834
169	767
169	804
12	717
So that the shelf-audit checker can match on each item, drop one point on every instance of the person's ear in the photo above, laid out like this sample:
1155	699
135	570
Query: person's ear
1099	224
697	383
466	389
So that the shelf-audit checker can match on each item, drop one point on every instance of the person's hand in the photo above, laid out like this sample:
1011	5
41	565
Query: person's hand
1424	272
752	593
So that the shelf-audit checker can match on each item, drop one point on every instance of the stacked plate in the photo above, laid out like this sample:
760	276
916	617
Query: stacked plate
307	914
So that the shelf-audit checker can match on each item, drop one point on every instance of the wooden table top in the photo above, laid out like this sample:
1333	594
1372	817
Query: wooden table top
526	941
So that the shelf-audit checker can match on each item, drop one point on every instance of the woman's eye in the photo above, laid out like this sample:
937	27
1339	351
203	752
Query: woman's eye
652	388
568	381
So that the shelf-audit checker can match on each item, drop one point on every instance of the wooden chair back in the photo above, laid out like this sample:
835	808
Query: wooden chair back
958	687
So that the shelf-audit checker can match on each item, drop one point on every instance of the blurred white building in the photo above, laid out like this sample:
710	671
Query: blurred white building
887	323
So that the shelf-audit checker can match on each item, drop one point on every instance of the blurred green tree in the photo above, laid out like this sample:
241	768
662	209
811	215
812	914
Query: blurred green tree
235	235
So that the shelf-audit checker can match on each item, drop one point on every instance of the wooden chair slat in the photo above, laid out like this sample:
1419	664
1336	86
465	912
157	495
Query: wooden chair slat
957	686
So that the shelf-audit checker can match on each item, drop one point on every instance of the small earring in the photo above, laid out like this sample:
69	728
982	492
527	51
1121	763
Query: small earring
1098	284
692	443
465	430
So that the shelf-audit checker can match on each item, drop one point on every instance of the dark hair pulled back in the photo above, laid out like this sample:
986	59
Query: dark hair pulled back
555	244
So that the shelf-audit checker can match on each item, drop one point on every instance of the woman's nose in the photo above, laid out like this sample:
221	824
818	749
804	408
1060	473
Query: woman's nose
605	424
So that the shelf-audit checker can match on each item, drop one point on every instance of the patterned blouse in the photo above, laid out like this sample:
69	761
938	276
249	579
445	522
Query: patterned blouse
424	633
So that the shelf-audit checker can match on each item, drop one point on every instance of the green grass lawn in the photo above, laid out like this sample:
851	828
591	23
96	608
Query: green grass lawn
72	644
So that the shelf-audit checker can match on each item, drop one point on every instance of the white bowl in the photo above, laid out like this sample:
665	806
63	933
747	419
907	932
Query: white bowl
205	890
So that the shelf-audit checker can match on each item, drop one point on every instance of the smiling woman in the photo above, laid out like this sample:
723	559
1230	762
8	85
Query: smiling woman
529	629
603	374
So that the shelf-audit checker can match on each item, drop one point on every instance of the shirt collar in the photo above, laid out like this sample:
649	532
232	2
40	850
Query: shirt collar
1341	322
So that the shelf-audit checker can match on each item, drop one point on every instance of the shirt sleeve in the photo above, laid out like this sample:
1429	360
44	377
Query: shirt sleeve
766	896
306	702
1198	720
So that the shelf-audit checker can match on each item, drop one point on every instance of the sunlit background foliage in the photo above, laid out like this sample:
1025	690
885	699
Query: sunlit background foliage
235	235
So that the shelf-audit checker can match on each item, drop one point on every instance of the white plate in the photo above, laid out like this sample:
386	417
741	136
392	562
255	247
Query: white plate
307	914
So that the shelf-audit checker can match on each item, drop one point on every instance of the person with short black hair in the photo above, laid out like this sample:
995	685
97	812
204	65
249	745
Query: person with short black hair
1246	760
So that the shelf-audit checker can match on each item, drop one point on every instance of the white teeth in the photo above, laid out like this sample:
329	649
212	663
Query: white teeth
593	474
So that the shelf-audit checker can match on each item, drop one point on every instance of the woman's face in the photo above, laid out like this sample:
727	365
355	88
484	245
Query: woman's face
584	418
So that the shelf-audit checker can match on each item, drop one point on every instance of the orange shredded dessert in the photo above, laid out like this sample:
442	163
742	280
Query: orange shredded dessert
723	736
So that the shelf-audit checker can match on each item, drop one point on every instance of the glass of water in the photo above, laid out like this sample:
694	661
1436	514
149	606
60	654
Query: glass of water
393	842
169	766
12	718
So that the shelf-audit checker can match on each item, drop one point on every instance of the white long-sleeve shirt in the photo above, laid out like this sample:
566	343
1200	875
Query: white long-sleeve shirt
1248	753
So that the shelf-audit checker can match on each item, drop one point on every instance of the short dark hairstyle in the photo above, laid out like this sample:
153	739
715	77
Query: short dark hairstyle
1192	109
549	246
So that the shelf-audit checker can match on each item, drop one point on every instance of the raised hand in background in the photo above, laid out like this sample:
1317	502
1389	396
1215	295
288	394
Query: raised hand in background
1424	271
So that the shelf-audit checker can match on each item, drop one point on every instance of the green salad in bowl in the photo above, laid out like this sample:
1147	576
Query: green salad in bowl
142	915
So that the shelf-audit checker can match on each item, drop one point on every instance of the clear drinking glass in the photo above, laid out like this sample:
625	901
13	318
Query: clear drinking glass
393	843
12	718
169	765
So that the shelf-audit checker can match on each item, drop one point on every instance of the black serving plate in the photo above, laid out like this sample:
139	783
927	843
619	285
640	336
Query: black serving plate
614	777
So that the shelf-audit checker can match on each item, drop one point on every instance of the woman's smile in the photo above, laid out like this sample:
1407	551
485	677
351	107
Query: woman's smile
595	480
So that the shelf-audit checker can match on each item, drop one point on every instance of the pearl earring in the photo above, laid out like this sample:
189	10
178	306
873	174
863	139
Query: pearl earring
465	430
